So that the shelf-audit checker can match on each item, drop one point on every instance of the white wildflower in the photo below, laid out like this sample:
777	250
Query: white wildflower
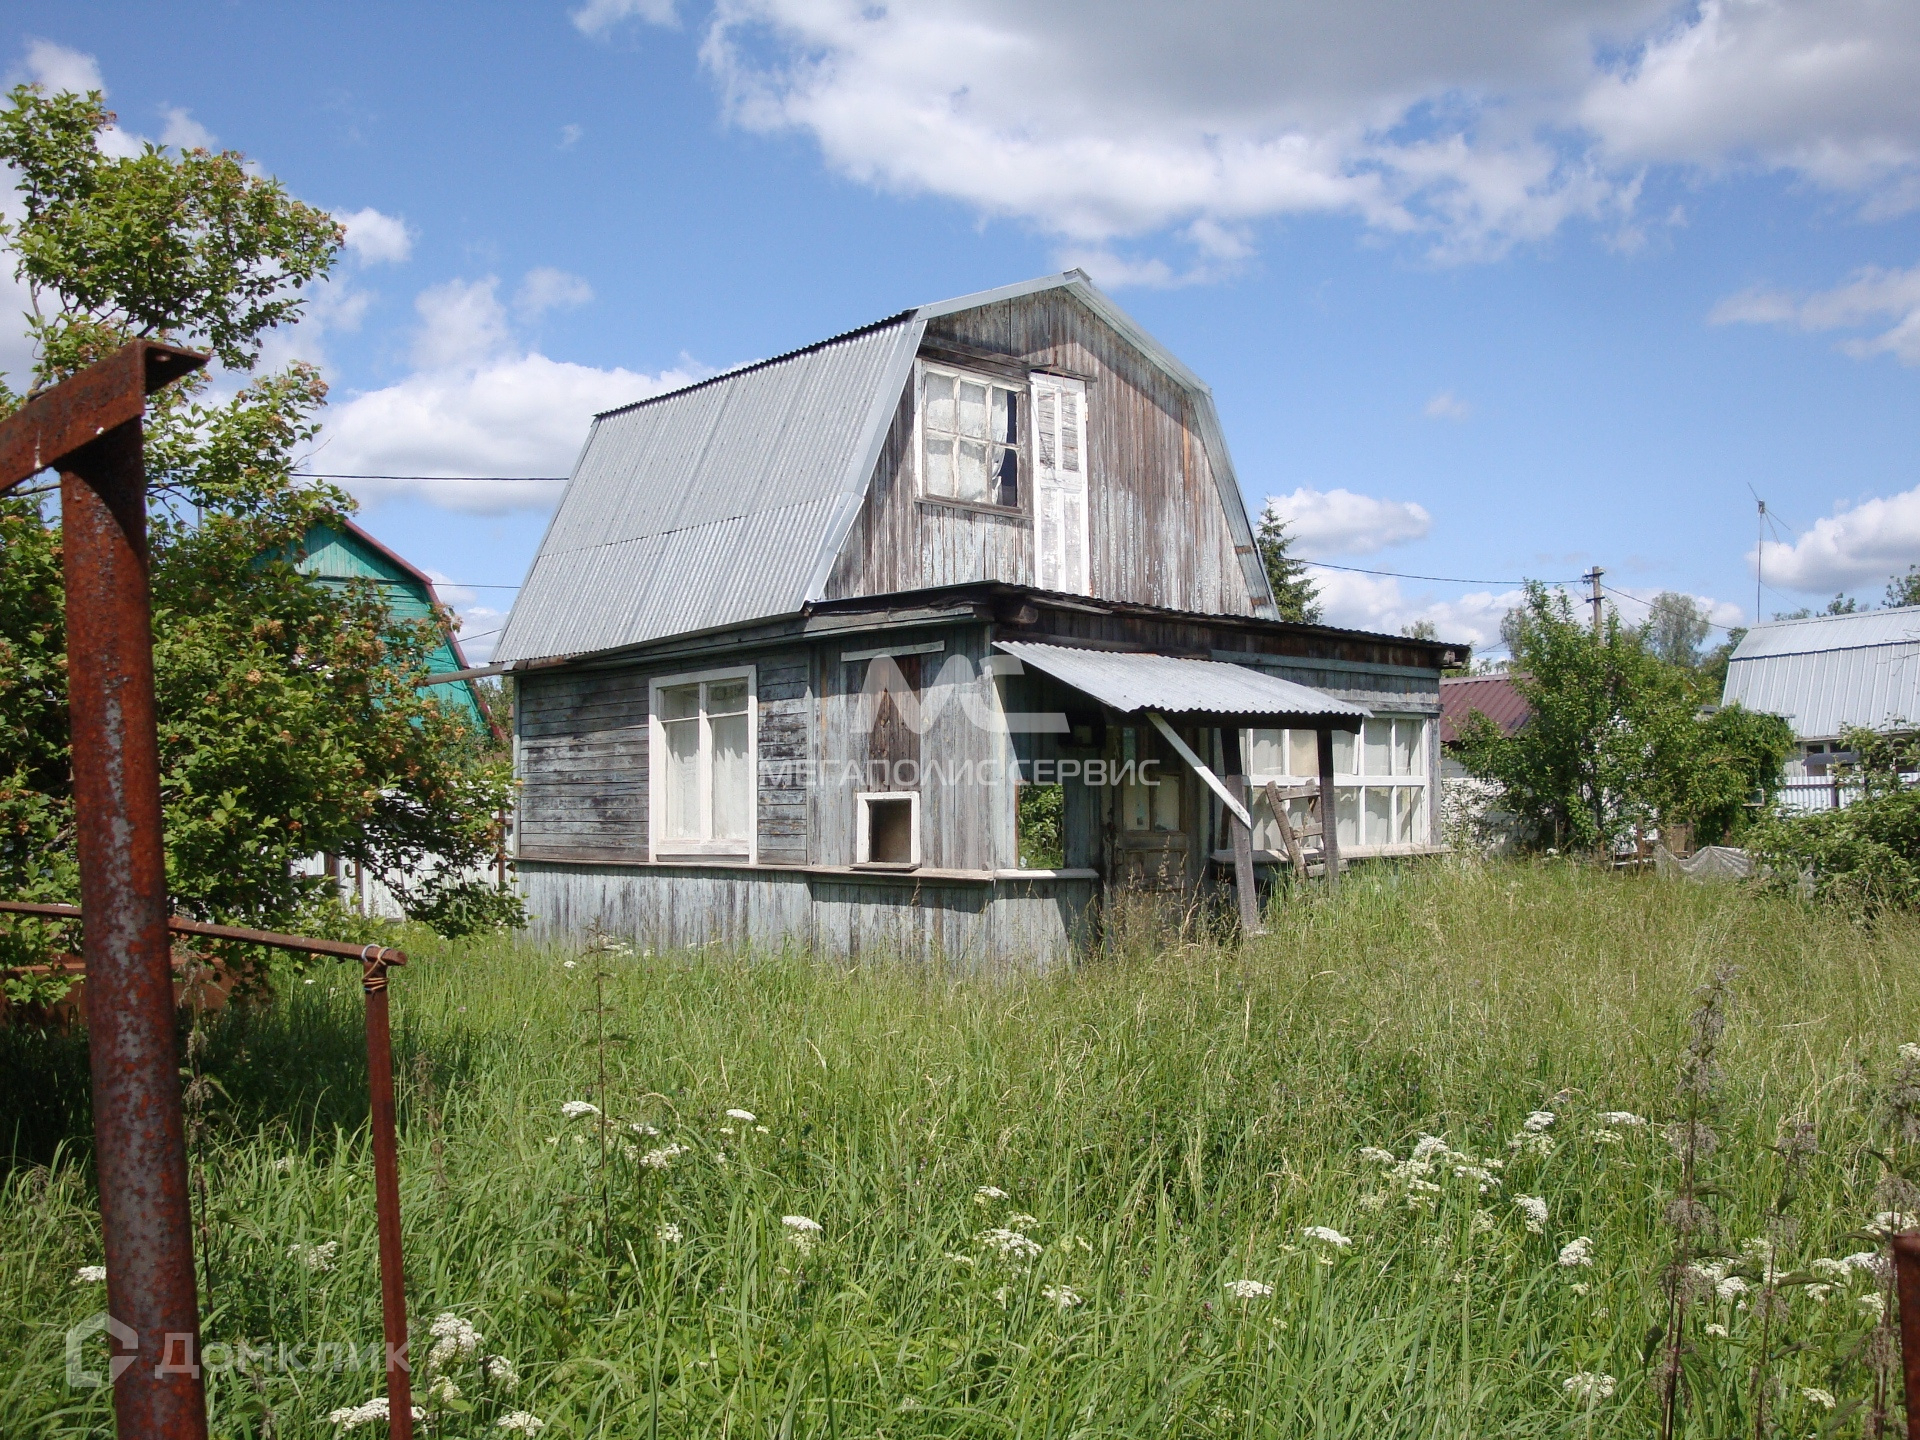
373	1412
1581	1288
1868	1262
568	964
1062	1296
1429	1146
663	1157
1326	1235
744	1116
522	1421
1888	1221
1910	1053
1577	1252
1731	1288
1531	1142
1819	1293
1018	1221
1248	1290
1539	1120
1481	1224
802	1233
322	1257
1011	1245
1625	1119
1874	1303
1481	1176
761	1130
1759	1247
1712	1273
1377	1200
1832	1269
1718	1331
1604	1136
958	1259
1534	1208
726	1130
498	1370
988	1193
649	1131
907	1405
453	1339
1813	1393
574	1109
1373	1154
443	1391
284	1165
1585	1386
667	1233
90	1275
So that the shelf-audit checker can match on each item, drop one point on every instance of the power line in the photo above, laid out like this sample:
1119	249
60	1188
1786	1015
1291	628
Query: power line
1624	595
1403	575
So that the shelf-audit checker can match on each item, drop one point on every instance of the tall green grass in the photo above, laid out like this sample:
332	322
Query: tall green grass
1164	1120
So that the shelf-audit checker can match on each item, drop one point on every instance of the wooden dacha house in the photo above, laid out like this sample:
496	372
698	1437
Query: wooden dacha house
932	638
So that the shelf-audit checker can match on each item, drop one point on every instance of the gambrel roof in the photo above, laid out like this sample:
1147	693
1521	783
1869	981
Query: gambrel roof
729	500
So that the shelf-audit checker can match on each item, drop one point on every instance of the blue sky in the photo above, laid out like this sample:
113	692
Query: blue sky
1519	290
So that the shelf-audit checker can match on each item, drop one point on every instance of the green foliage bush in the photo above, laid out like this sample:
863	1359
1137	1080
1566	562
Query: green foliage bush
1864	856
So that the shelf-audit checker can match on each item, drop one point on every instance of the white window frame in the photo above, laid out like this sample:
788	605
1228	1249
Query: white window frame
1351	780
863	823
659	847
1024	394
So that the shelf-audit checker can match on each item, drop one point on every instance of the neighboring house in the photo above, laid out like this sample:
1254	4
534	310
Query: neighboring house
338	554
799	634
1470	813
1822	675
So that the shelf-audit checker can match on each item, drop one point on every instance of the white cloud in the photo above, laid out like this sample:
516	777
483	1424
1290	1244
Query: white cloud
1862	544
377	239
546	289
58	68
597	17
1477	126
1872	299
478	404
1339	522
570	136
481	619
183	132
1447	406
1377	603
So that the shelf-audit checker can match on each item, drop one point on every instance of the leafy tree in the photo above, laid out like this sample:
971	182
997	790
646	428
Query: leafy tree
1674	628
1294	592
1904	589
1420	630
290	718
1866	856
1841	604
1616	742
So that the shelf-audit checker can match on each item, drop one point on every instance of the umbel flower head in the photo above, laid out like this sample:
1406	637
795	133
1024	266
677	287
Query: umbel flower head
575	1109
1248	1289
1585	1386
372	1412
90	1275
1326	1235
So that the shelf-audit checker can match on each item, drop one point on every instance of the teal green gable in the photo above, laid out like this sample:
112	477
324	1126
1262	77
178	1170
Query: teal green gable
340	556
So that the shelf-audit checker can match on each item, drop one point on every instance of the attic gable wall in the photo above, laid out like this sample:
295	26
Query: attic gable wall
1157	529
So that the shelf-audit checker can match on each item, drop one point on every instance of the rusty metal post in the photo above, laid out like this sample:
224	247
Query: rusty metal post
386	1191
1906	1277
88	427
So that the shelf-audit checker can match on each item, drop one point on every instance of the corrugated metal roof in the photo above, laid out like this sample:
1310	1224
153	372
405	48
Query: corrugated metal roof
1831	632
1821	692
1174	685
715	504
729	500
1493	696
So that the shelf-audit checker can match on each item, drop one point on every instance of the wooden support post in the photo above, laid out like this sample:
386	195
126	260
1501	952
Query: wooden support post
1242	832
1329	828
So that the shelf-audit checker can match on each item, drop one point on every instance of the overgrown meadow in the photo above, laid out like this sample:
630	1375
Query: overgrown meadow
1408	1166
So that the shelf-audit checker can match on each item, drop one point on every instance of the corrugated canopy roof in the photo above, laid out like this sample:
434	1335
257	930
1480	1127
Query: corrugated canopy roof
1827	672
728	501
1173	685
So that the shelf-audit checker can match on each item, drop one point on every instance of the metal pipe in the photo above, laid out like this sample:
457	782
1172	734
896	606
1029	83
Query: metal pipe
179	925
140	1152
1906	1276
386	1192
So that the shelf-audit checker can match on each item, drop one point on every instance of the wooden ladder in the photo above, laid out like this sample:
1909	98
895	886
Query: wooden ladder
1313	829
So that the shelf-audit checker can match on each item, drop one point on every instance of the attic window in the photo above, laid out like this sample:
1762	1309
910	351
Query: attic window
970	438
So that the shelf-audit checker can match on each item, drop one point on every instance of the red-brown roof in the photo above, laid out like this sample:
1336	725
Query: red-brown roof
1493	696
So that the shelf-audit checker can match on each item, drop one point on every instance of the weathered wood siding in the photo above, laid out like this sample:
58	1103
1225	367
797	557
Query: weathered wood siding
1157	529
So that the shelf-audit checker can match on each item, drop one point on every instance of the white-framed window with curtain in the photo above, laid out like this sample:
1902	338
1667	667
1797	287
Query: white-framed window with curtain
703	737
1382	798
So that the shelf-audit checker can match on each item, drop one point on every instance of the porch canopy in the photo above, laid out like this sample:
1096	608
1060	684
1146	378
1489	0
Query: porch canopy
1200	692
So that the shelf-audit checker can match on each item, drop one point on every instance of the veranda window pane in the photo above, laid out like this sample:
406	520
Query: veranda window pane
1343	753
970	479
1166	803
973	410
1406	746
939	466
1379	738
1379	815
727	697
1267	752
1413	816
1304	757
680	703
682	778
940	403
732	776
1346	814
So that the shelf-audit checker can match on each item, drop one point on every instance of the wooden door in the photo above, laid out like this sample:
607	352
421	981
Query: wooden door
1061	561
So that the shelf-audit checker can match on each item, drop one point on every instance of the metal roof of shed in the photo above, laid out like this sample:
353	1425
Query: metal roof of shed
728	500
1827	672
1173	685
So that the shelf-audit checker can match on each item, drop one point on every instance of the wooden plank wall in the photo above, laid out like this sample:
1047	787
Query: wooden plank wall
1157	529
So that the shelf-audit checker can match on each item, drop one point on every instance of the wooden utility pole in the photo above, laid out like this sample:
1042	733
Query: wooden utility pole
1592	577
